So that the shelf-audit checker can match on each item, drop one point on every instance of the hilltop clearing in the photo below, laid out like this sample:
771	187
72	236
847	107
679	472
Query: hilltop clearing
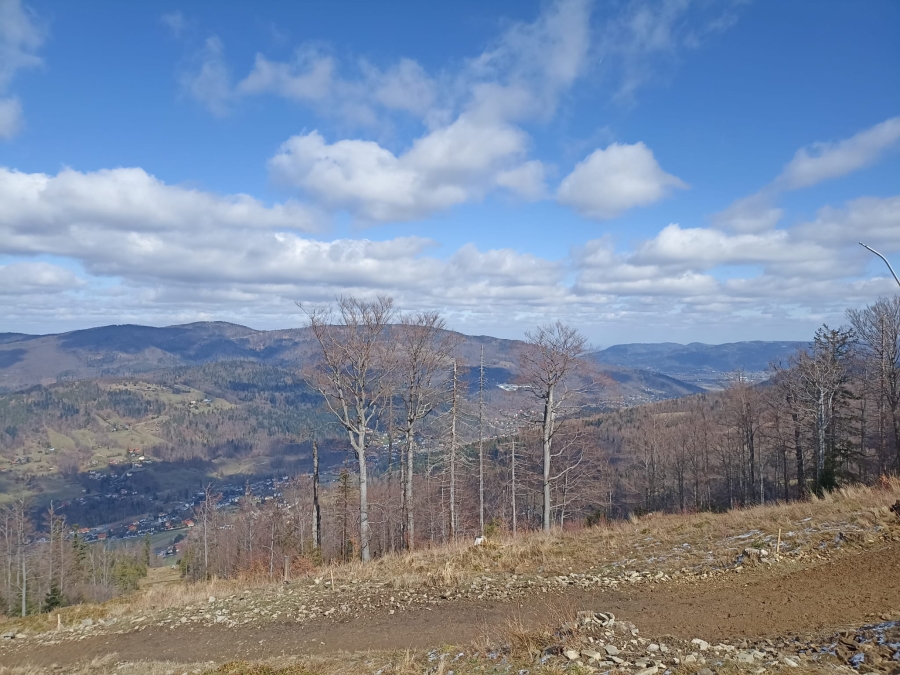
710	588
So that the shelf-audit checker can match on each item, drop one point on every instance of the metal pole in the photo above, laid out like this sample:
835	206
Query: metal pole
894	274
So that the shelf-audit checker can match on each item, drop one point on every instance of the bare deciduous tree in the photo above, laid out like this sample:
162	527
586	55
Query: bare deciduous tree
878	328
454	409
481	443
353	376
423	350
548	360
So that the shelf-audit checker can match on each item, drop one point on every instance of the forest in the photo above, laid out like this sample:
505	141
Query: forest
428	460
828	416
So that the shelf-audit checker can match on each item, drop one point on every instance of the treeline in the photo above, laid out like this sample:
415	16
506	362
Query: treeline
439	469
48	565
829	415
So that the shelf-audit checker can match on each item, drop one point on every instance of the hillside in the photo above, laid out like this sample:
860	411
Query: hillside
701	364
226	399
129	350
233	420
679	594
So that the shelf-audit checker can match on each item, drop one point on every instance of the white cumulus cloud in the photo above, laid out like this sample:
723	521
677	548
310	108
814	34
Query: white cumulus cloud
472	142
446	167
612	180
525	180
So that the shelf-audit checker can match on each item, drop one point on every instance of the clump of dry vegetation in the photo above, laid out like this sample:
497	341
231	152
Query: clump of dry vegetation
855	511
846	518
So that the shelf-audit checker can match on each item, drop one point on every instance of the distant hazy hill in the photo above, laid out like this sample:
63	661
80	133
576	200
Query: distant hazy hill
698	362
14	337
131	350
126	350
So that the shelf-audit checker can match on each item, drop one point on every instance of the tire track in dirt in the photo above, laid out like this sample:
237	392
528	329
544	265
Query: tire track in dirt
790	600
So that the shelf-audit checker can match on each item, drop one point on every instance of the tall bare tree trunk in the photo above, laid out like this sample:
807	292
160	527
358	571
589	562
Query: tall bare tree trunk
51	519
422	350
22	536
820	438
402	453
512	457
882	391
391	469
549	357
410	512
62	555
317	513
364	551
24	586
481	444
453	410
546	439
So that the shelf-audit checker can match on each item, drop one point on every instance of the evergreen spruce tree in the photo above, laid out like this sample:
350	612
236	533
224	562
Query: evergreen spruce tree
147	550
54	598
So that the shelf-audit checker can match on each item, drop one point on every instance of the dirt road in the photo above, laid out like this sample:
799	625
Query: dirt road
790	600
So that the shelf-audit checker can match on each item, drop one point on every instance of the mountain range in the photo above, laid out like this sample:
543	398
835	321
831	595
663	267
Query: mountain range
130	350
709	366
230	399
650	371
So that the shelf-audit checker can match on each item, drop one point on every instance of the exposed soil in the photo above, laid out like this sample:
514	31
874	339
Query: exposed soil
787	600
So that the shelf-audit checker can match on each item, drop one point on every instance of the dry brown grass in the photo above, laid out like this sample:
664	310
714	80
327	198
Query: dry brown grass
579	549
611	547
108	665
400	663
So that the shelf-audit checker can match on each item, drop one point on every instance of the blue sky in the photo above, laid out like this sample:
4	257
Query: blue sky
647	171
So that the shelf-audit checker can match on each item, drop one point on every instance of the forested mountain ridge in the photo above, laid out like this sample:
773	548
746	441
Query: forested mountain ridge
228	397
699	363
131	350
125	350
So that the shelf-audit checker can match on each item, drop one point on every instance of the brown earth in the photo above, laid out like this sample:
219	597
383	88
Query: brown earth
847	590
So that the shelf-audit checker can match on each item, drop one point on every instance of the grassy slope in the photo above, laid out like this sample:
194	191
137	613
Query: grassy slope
646	550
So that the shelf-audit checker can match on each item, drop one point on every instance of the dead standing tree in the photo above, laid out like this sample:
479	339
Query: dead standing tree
423	350
547	361
354	377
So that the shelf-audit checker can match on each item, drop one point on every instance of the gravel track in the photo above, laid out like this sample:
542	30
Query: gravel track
802	599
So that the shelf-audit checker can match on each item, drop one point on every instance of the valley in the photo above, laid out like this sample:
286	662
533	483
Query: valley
95	418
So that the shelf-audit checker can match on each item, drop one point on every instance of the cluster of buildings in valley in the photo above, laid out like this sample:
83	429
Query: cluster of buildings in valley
177	516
